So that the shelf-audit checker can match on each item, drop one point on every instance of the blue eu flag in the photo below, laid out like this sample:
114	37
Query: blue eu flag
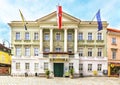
100	27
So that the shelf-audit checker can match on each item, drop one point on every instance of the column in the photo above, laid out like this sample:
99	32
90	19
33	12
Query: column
65	40
41	40
51	40
75	41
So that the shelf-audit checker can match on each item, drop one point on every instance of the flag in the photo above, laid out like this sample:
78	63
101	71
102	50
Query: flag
59	16
100	27
23	20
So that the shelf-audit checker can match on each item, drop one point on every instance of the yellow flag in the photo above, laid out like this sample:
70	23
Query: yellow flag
23	19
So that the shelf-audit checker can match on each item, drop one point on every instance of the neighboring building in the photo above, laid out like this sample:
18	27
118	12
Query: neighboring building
113	50
43	46
5	60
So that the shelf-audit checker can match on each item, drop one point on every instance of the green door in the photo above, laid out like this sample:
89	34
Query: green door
58	69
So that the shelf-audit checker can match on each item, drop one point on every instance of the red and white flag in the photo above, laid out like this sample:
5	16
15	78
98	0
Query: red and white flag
59	16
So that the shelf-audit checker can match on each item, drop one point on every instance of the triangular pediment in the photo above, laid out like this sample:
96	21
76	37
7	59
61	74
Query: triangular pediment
53	18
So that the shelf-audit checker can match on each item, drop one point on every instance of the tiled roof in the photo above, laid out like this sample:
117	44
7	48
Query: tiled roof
113	30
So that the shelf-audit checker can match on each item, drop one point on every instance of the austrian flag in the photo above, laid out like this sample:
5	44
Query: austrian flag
59	16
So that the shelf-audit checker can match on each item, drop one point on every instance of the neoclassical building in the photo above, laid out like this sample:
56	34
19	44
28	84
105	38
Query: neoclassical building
43	46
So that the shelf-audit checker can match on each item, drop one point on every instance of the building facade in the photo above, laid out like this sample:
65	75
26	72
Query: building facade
113	44
5	60
43	46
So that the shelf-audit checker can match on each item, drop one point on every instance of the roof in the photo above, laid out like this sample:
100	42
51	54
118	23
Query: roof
113	30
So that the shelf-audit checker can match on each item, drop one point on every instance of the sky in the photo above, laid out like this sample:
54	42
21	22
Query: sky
85	10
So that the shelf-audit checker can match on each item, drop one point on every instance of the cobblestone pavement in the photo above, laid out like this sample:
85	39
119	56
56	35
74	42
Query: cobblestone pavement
8	80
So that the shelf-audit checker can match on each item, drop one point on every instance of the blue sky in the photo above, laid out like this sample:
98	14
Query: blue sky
34	9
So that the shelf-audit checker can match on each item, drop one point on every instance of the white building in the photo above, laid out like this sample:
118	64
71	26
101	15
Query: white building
43	46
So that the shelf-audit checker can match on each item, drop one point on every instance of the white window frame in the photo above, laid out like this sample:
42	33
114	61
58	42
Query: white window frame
17	35
99	36
36	51
36	35
80	67
89	67
18	51
80	36
69	36
81	52
90	52
99	53
58	37
27	66
58	49
99	67
46	36
27	36
36	66
90	36
113	54
27	51
113	40
45	65
71	66
17	65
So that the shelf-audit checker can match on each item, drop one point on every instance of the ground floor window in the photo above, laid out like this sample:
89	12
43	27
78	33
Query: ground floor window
36	66
70	66
18	66
89	67
80	67
27	66
45	65
99	67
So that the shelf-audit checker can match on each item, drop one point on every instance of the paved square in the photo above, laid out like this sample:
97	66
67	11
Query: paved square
8	80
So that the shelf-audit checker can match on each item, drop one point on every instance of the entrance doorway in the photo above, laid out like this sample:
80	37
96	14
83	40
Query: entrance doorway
58	69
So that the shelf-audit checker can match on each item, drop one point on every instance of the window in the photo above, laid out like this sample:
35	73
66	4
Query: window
70	66
58	49
99	36
113	54
89	67
17	66
99	54
70	50
113	40
46	50
46	36
89	52
36	66
57	36
69	36
35	36
89	36
18	51
45	65
17	35
80	67
80	52
27	36
27	51
80	36
99	67
36	51
27	67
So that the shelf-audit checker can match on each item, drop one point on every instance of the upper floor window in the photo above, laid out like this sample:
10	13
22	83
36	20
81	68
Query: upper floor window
58	49
99	36
46	49
70	50
80	36
57	36
90	36
113	54
35	36
113	40
27	51
18	51
46	36
99	53
27	36
69	36
17	35
89	52
36	51
80	52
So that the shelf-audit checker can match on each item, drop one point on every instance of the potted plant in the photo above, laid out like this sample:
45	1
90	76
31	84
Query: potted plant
47	72
71	71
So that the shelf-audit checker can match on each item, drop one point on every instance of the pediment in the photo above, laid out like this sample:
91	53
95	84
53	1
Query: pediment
53	18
